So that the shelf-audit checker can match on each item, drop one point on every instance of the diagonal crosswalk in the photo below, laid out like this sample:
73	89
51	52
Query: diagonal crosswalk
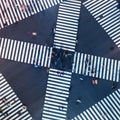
96	66
25	52
12	11
106	109
57	93
107	14
67	25
12	108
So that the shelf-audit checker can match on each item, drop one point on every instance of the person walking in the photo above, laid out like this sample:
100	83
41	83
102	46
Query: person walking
1	110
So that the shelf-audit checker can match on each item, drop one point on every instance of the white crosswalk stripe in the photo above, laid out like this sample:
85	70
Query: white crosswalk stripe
106	109
57	92
12	11
12	108
67	25
108	16
25	52
96	66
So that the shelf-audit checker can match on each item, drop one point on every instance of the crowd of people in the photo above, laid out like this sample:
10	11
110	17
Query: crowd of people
23	7
61	59
8	104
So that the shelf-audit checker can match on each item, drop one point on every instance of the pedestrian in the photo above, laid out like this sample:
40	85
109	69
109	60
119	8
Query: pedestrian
54	30
70	88
6	114
34	33
78	101
81	78
114	85
60	72
76	41
61	107
95	81
104	115
36	66
101	16
23	8
67	99
4	100
23	109
48	69
93	72
1	110
15	100
87	61
5	24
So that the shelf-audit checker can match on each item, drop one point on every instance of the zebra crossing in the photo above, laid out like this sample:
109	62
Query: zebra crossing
107	15
25	52
10	103
57	93
106	109
96	66
67	25
12	11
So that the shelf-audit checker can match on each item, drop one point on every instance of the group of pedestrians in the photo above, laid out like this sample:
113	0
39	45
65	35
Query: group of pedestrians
88	67
61	59
6	105
20	7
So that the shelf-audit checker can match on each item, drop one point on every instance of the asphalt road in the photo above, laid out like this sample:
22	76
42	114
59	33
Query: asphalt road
29	83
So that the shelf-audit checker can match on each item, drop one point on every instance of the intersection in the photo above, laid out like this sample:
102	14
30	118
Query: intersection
55	102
